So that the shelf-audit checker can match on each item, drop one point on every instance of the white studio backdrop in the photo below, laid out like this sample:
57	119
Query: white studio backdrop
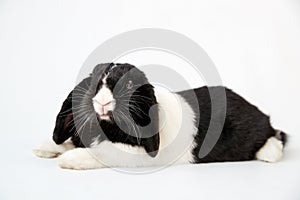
254	44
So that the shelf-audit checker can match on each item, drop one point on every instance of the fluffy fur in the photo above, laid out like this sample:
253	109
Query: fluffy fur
159	128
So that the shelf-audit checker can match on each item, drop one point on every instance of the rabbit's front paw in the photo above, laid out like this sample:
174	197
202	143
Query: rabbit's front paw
79	159
49	149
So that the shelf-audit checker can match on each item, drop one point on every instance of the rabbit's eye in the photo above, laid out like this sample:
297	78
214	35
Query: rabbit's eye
129	85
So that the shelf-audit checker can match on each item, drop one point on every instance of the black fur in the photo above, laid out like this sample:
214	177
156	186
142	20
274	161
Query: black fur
245	131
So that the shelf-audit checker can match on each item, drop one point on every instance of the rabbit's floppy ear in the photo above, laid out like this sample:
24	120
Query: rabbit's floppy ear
149	125
64	125
150	134
63	120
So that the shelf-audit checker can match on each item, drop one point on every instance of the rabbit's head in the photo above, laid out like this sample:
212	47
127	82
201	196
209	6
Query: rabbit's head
124	103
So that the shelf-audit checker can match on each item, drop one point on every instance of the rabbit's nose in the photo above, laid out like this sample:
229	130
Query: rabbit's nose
102	103
105	103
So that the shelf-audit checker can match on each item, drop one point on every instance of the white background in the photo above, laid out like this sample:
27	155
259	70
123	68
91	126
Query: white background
254	44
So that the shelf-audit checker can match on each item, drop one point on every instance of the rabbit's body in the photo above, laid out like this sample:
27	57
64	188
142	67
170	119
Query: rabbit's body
163	128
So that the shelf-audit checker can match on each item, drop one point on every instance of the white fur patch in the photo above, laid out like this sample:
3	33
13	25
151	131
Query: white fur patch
103	101
49	149
104	79
272	151
177	131
79	159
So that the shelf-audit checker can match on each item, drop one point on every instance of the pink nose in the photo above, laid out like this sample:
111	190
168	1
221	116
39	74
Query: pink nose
103	102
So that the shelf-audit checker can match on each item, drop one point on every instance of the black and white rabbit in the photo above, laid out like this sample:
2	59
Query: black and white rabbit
115	118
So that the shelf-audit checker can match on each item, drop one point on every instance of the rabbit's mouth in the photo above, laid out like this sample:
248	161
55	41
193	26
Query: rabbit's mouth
104	111
107	116
104	116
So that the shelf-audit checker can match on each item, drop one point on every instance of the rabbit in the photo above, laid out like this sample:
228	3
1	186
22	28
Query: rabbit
116	118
